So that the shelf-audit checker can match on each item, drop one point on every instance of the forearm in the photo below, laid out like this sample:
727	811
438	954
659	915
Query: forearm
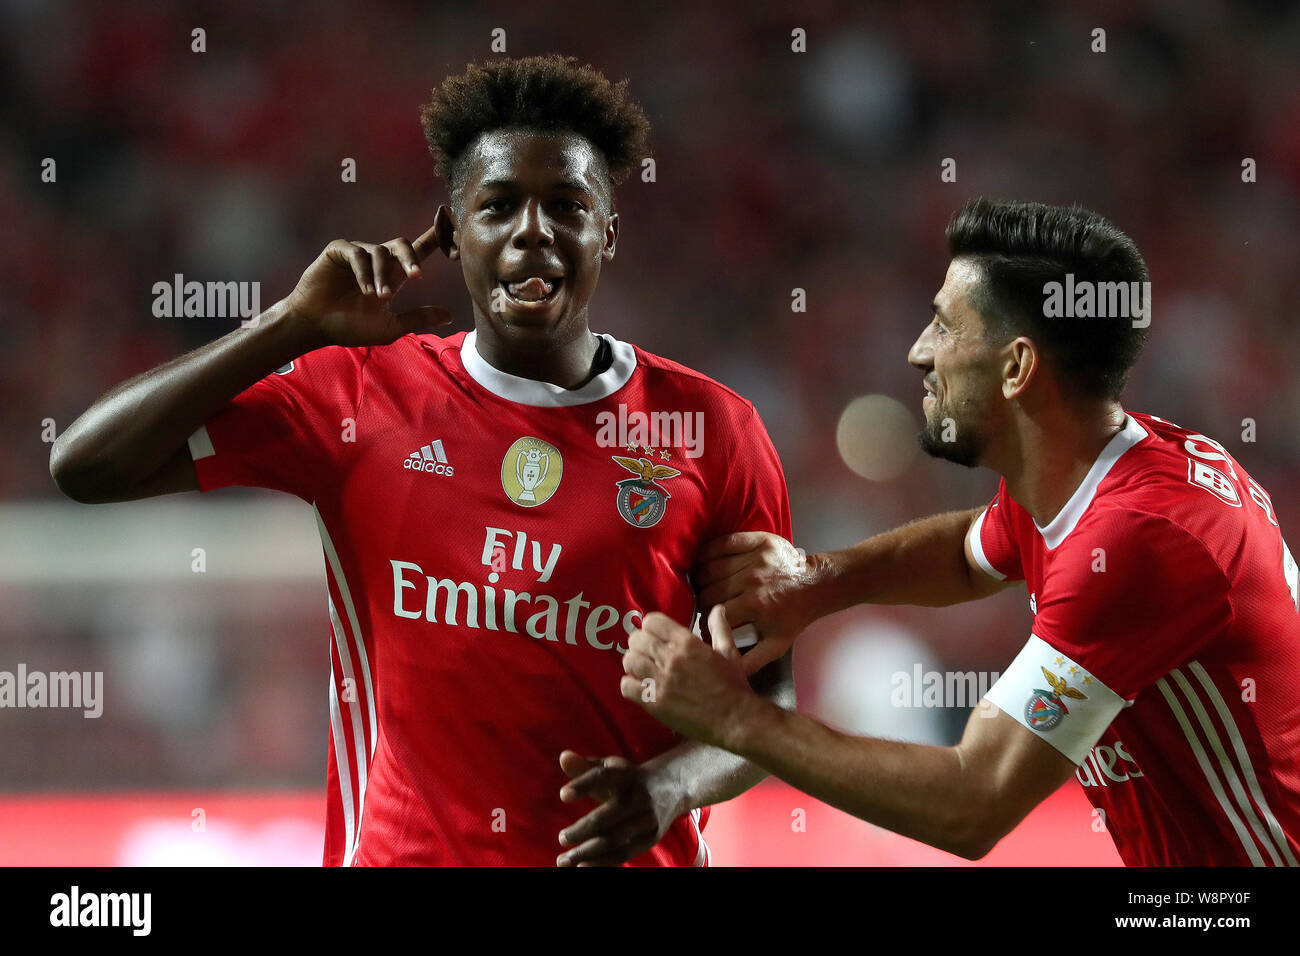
130	431
706	775
922	563
702	775
919	791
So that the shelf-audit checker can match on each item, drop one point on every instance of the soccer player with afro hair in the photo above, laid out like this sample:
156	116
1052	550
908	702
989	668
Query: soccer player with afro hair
563	484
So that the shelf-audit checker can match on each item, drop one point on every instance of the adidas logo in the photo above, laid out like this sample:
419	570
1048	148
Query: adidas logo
430	457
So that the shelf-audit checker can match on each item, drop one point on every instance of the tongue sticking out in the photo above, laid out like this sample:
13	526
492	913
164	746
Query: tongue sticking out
530	290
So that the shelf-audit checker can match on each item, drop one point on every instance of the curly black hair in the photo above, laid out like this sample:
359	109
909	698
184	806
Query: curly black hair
549	93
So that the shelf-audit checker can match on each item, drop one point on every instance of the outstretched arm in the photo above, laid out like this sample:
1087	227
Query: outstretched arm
961	799
761	579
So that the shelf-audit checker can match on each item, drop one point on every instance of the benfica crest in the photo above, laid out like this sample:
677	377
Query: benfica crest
1045	709
641	501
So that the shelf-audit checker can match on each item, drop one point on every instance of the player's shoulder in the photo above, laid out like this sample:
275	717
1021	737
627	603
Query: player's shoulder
1170	470
664	375
1170	489
335	360
412	357
326	367
436	347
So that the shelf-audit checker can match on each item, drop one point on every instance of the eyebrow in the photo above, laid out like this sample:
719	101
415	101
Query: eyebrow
567	185
937	310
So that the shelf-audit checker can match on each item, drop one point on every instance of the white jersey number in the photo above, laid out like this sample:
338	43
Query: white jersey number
1290	573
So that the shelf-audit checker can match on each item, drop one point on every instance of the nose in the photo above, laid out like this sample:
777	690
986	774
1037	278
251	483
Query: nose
532	228
921	354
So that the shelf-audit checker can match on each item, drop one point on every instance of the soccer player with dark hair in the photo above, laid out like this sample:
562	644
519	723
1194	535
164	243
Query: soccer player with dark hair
496	507
1162	667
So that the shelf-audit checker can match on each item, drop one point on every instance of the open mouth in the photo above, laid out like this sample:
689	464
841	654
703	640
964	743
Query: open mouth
533	291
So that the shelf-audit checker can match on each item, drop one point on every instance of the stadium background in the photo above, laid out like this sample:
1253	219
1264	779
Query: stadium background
775	170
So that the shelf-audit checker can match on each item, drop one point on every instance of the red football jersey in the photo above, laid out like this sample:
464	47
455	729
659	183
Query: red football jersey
490	543
1165	653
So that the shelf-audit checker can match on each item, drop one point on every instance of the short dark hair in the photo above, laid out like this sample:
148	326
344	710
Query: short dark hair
547	94
1020	247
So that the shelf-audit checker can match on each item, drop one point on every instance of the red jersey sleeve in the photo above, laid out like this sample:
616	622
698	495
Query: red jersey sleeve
292	431
1133	573
754	497
993	538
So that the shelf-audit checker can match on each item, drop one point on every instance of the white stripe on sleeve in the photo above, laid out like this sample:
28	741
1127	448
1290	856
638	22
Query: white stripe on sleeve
977	548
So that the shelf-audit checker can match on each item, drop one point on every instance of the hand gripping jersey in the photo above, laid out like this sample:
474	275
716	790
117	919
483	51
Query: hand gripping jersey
1165	654
490	542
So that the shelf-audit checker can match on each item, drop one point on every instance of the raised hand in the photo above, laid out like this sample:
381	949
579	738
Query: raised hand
344	295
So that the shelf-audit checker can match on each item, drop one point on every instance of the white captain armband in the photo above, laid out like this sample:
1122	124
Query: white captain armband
1056	698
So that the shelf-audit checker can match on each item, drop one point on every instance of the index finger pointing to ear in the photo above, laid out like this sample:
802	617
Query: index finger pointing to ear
426	243
436	236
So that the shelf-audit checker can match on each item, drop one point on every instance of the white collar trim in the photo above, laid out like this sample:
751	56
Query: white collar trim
1060	527
527	391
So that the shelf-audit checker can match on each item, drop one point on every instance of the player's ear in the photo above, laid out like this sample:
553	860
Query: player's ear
444	230
1018	367
611	236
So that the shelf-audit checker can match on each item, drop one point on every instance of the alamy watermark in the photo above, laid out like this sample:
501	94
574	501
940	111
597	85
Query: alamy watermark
207	300
922	688
683	430
1098	300
75	908
53	689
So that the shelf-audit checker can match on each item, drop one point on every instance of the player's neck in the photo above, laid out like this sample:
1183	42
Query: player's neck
569	365
1053	453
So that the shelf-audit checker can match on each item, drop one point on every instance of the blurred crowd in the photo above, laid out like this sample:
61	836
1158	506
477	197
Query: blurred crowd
775	170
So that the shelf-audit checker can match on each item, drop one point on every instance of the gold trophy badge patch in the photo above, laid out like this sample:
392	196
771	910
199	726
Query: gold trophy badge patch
531	471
